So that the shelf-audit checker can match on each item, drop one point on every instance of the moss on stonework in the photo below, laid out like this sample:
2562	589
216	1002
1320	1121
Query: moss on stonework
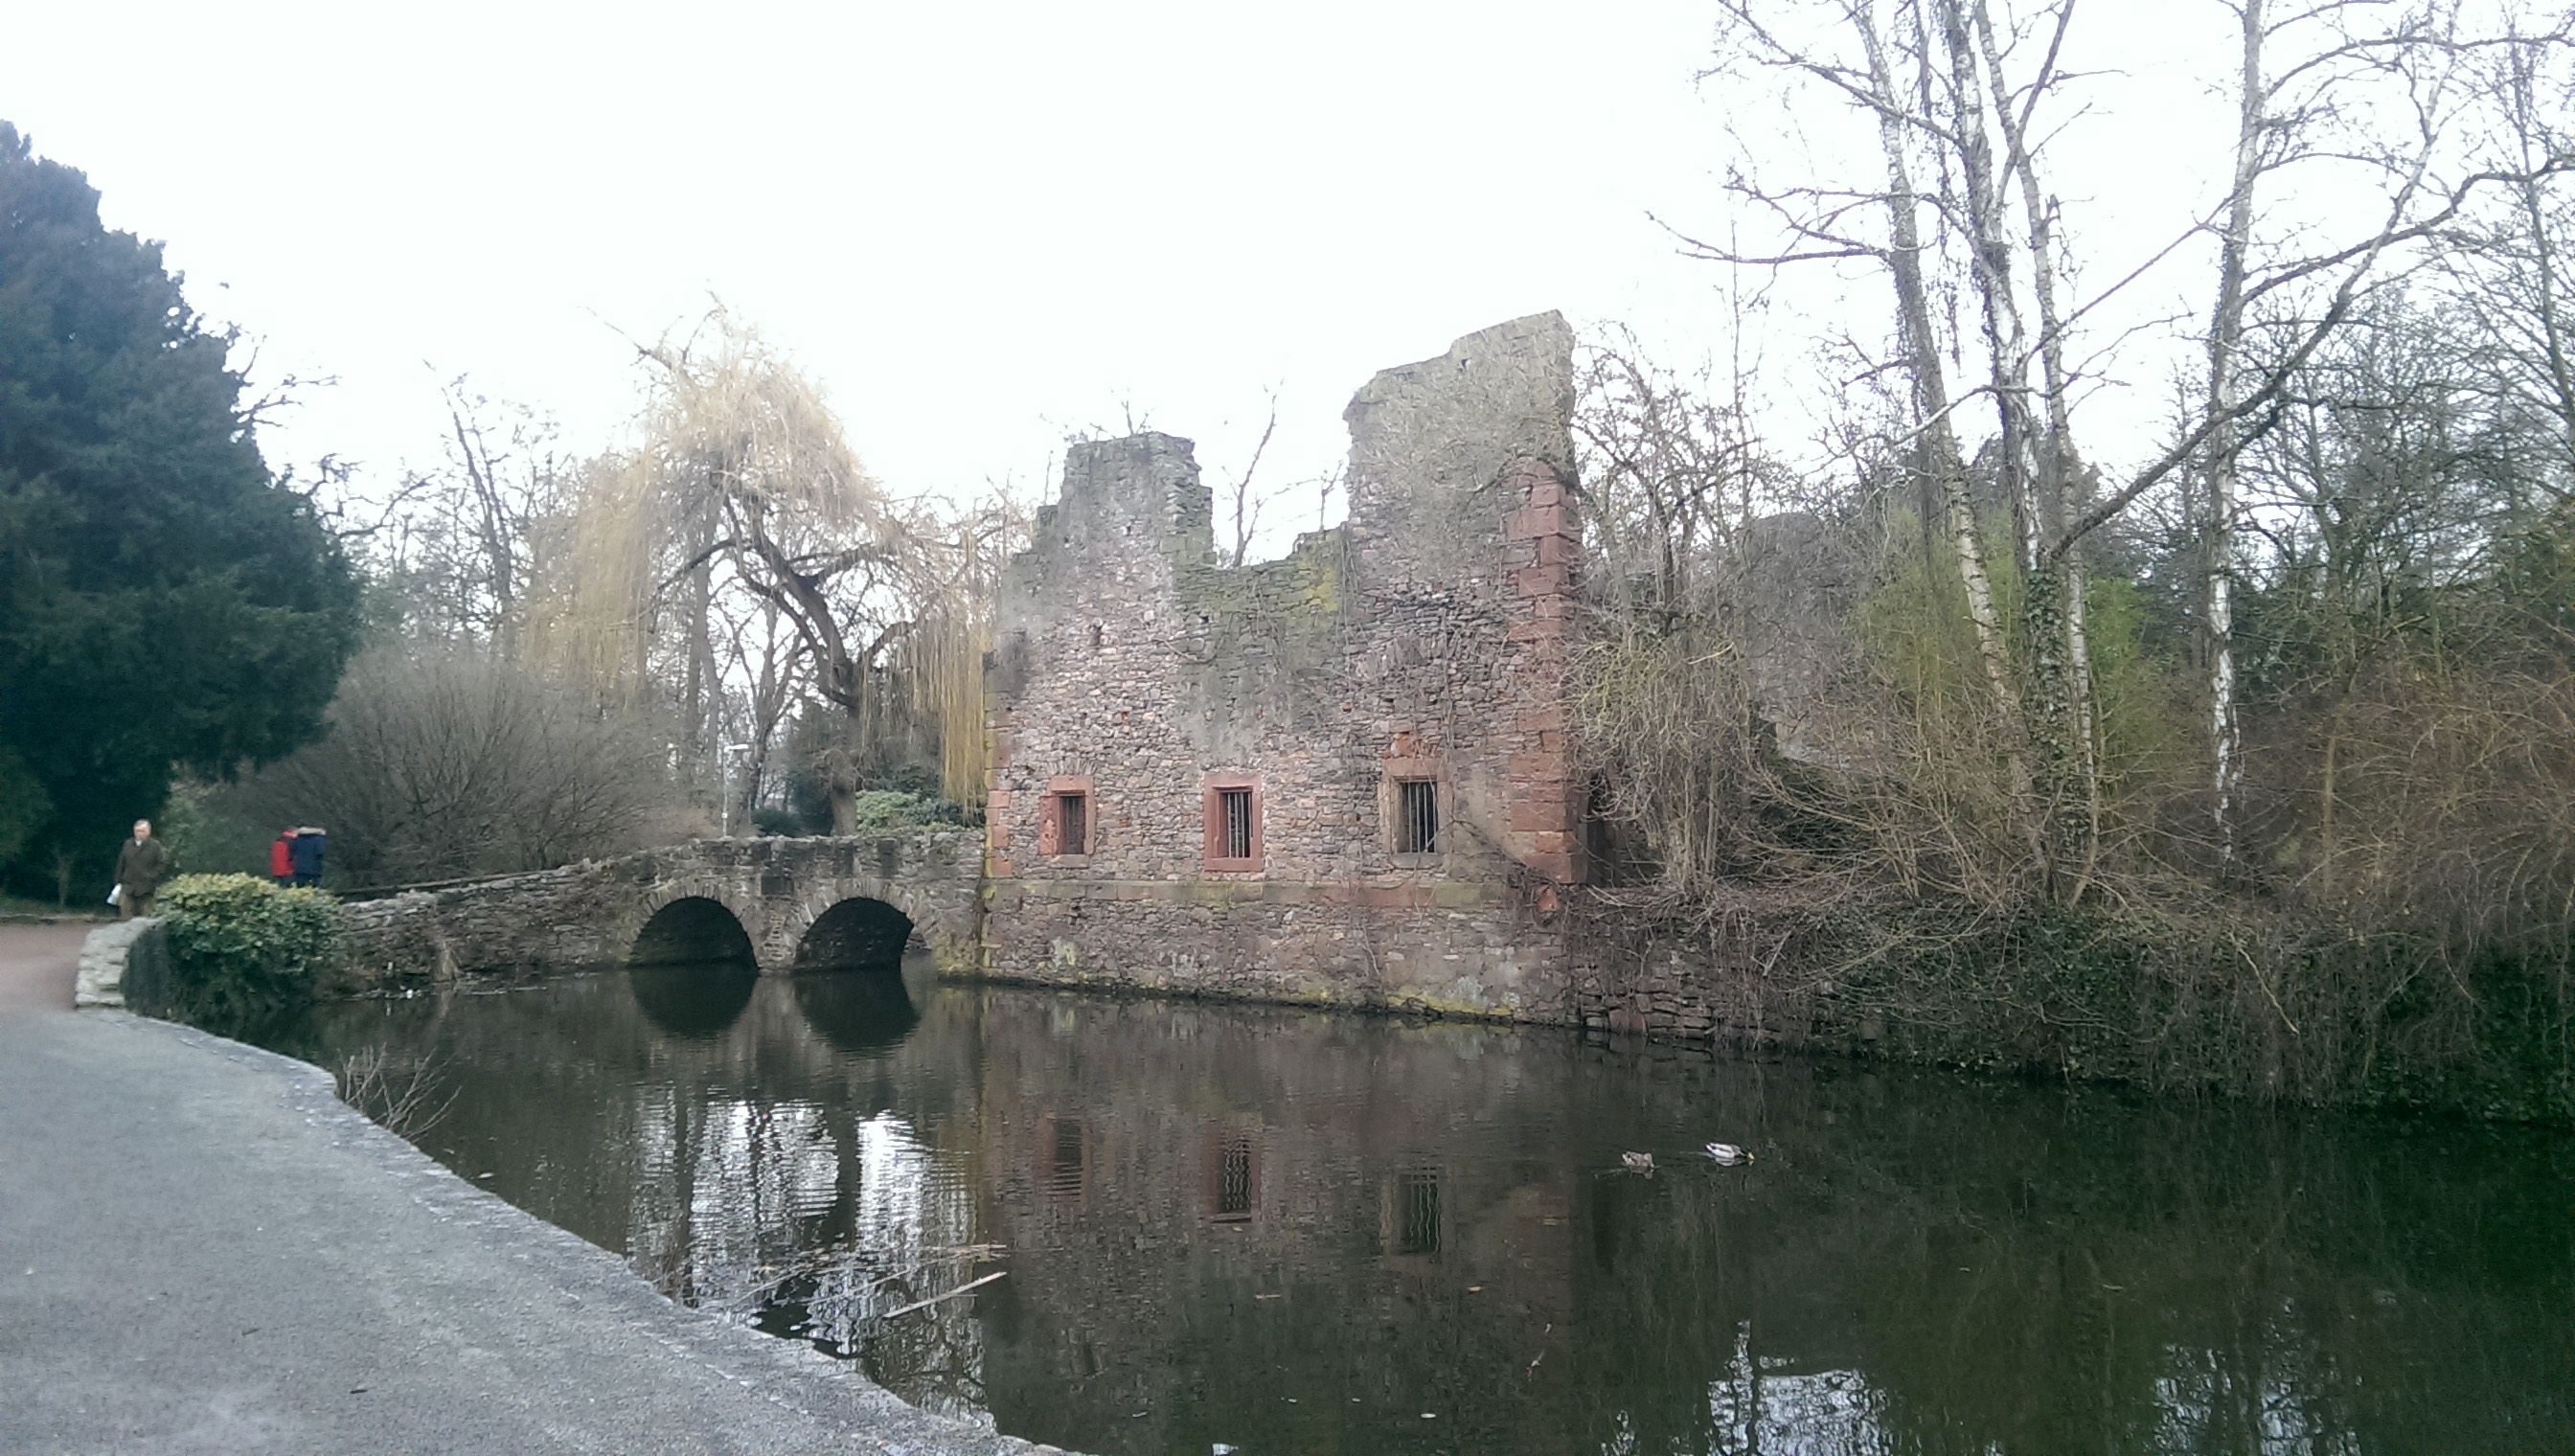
1447	1007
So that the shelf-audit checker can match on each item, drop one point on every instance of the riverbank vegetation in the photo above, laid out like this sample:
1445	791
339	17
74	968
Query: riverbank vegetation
2238	756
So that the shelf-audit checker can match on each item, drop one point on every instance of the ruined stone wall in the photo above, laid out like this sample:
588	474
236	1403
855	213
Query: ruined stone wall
1426	640
1740	977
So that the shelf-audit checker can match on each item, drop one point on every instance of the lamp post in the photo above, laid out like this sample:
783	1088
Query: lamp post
724	786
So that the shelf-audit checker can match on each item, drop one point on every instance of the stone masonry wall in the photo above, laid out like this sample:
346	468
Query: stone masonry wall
586	915
1426	638
1739	977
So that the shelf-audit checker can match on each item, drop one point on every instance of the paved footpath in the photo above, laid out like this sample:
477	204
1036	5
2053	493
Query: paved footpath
202	1249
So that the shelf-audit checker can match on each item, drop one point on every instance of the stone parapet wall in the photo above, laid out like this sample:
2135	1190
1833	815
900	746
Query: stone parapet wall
128	959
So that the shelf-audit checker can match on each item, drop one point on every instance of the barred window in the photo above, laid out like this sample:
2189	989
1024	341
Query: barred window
1235	806
1073	824
1417	827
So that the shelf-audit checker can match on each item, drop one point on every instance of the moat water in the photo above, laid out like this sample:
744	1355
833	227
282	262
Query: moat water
1282	1231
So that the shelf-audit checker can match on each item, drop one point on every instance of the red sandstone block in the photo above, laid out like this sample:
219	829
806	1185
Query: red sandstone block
1539	629
1553	548
1535	773
1535	520
1546	492
1541	581
1552	718
1541	817
1551	841
1558	867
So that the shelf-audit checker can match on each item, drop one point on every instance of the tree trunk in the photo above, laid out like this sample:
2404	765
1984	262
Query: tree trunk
2061	647
841	772
2218	496
696	677
1920	341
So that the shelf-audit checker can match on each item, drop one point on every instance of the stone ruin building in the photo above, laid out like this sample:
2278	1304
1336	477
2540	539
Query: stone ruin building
1342	777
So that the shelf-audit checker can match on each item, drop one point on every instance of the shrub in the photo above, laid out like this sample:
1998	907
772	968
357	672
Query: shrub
872	811
782	822
243	949
443	764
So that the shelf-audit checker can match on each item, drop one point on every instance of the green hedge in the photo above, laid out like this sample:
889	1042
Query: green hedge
875	810
241	948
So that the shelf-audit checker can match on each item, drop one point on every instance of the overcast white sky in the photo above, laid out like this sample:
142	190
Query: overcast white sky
980	227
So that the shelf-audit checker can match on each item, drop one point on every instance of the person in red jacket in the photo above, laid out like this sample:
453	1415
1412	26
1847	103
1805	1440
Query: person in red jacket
281	857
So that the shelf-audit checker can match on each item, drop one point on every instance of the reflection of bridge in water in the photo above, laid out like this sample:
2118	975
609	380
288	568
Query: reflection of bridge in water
778	904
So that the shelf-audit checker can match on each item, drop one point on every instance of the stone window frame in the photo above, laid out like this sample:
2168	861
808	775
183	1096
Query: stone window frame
1051	818
1393	773
1212	792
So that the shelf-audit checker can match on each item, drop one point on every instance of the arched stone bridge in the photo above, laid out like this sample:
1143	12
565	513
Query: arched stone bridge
787	904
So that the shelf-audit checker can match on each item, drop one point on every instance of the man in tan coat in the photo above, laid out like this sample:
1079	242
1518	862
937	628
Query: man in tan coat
140	866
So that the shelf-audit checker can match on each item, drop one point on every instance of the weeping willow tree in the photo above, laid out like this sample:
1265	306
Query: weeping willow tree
742	484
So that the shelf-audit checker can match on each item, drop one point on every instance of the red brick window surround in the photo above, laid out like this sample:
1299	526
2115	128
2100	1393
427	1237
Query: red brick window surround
1069	818
1234	813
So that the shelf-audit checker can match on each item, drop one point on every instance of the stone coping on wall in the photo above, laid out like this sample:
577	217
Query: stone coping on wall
103	958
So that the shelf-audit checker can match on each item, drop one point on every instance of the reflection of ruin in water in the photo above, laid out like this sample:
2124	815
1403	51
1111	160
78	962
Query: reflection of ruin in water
1291	1231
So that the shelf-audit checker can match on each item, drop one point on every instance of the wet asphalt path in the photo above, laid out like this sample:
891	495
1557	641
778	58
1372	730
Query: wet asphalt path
202	1249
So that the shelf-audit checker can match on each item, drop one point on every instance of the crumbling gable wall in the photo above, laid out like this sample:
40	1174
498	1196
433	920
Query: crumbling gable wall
1426	639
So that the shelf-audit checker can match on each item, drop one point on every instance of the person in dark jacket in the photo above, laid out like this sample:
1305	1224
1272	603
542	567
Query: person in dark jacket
281	858
141	866
307	856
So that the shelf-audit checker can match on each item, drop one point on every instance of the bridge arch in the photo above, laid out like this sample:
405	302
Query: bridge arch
692	965
680	927
857	931
822	897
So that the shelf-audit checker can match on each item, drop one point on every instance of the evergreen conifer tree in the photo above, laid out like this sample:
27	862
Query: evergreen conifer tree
164	598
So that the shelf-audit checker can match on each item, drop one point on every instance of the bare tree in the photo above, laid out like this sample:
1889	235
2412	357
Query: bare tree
441	762
2509	272
1246	505
458	543
1934	80
764	654
880	593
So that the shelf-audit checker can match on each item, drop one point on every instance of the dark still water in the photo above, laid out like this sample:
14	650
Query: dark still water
1297	1232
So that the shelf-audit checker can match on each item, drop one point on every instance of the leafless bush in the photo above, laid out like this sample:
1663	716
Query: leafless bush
439	764
405	1098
